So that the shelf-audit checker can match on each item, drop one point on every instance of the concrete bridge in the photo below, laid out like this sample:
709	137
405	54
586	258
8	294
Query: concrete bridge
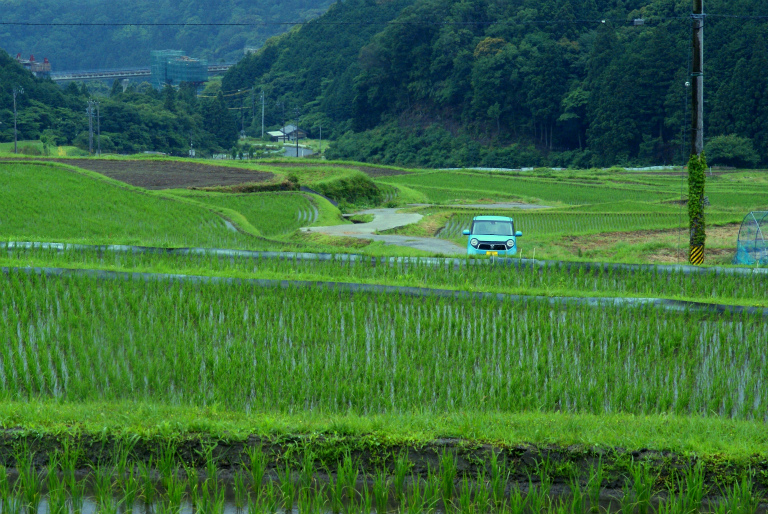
120	73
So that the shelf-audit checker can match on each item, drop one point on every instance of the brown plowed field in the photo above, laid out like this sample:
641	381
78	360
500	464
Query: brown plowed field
169	174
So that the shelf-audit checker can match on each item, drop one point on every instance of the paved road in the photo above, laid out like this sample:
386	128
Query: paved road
385	219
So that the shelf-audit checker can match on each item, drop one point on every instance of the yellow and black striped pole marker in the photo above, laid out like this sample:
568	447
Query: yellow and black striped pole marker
697	255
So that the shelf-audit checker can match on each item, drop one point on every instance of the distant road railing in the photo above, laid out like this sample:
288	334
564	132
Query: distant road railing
121	73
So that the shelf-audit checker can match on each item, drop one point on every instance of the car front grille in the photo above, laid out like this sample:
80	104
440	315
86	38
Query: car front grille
492	246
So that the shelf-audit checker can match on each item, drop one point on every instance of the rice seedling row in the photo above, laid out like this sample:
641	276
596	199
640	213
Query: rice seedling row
478	275
574	223
308	484
257	350
544	189
52	203
271	213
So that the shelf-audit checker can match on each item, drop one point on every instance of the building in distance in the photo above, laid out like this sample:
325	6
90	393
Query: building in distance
38	69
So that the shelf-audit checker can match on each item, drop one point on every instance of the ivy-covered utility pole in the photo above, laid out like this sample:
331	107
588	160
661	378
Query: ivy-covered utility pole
697	164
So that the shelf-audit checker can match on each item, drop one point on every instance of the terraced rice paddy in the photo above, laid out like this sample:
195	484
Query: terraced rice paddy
309	350
577	223
161	396
271	213
478	275
438	186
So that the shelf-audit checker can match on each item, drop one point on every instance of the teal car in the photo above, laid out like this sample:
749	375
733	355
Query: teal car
492	235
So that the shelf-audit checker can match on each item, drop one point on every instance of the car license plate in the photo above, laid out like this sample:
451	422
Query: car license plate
492	253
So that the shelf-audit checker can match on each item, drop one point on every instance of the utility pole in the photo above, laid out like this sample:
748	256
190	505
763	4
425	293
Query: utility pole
16	91
697	79
262	114
89	111
98	129
297	132
697	164
253	105
321	139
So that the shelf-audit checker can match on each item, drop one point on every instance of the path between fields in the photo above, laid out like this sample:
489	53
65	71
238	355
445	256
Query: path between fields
386	219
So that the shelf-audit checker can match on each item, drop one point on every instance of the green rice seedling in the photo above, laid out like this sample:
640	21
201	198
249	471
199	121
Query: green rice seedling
381	491
740	497
417	503
306	476
257	465
464	502
166	463
287	486
193	485
147	490
103	490
30	485
347	473
517	502
68	459
578	496
595	485
538	498
212	499
240	490
673	504
129	487
175	488
403	467
448	469
307	503
482	497
6	491
692	488
270	499
432	487
335	493
122	456
643	483
364	505
57	489
499	476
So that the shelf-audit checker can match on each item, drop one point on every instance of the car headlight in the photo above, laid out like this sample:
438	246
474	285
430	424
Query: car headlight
510	243
474	242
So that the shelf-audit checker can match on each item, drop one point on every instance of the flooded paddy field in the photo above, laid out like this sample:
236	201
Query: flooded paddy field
271	476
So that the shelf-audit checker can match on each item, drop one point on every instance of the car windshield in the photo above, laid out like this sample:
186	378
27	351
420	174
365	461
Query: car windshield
492	228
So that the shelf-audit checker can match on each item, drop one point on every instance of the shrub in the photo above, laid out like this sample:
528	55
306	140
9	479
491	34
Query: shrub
731	150
356	188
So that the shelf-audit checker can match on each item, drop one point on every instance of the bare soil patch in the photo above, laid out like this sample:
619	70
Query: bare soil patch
169	174
720	248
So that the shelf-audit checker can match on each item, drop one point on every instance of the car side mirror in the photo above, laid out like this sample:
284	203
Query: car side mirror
518	234
465	232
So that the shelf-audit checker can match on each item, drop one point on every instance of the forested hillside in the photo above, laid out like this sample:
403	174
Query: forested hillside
78	47
135	120
520	82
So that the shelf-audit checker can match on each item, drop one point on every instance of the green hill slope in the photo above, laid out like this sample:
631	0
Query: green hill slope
77	47
517	83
